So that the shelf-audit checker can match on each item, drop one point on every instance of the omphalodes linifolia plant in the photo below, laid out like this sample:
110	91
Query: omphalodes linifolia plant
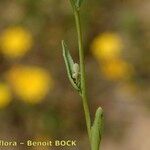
77	77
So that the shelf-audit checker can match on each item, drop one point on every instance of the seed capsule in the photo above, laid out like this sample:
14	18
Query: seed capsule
76	68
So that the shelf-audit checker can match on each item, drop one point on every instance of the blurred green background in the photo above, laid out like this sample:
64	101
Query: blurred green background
36	99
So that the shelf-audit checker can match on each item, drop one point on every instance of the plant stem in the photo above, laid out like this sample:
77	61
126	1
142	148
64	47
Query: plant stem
82	72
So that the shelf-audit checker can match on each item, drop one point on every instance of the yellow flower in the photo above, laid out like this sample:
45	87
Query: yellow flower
15	42
116	69
31	84
5	95
106	46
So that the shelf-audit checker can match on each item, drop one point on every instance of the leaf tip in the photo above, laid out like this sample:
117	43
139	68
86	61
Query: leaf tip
62	42
99	111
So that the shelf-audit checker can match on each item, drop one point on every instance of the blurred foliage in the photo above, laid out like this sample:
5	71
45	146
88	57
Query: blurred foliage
36	100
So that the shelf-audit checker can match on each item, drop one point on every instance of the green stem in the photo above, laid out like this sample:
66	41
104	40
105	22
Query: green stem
82	71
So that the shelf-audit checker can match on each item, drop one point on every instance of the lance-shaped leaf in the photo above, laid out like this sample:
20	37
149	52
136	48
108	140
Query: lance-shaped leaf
96	130
69	65
73	4
76	4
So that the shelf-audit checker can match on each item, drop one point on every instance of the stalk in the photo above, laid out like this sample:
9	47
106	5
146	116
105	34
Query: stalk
82	72
77	77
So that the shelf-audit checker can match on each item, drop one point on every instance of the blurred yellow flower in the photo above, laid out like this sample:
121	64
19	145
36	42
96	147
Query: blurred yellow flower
15	42
116	69
31	84
5	95
106	46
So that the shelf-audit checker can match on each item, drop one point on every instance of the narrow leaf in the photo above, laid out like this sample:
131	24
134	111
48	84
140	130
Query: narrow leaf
69	64
73	3
78	3
96	130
